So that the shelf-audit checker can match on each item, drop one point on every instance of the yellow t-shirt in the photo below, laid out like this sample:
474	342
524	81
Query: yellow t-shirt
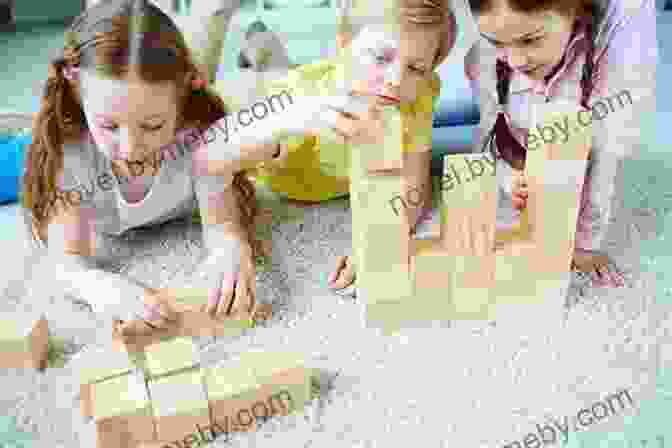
317	168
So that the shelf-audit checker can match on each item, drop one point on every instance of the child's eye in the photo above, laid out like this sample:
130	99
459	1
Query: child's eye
109	127
153	128
416	69
530	41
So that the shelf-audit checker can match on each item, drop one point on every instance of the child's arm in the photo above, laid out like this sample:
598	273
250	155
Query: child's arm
71	244
229	263
239	149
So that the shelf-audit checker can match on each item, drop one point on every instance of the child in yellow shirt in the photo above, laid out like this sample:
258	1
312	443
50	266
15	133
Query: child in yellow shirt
392	65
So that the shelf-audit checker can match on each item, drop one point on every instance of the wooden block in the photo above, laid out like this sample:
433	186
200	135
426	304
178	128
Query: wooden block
170	357
431	269
24	340
467	180
473	286
283	379
122	412
179	403
383	240
232	393
194	320
388	156
102	365
258	385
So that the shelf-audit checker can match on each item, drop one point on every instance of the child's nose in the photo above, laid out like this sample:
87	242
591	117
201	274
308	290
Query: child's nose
131	145
393	74
514	56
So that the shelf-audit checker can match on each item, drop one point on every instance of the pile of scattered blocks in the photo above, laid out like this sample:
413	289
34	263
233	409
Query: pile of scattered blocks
157	391
24	338
406	282
167	397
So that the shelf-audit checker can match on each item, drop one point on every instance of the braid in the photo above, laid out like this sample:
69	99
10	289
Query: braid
589	66
500	140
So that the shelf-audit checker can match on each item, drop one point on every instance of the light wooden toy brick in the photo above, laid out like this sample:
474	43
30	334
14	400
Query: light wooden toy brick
281	375
381	235
122	412
257	385
192	320
469	194
196	321
232	391
170	357
431	267
102	365
179	403
24	340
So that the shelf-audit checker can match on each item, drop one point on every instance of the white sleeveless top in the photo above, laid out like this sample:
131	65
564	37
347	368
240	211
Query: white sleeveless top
173	191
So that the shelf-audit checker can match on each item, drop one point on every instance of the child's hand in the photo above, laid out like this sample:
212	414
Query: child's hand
324	115
520	192
158	315
234	289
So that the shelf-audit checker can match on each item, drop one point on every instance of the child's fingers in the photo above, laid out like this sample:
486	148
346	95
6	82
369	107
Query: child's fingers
262	311
345	275
340	265
242	300
157	308
228	291
135	327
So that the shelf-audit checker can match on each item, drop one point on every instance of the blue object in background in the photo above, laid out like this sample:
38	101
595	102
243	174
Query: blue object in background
12	155
11	436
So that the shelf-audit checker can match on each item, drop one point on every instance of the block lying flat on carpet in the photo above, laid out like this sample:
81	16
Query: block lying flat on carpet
196	321
170	357
192	320
101	365
232	392
122	411
257	385
179	403
24	340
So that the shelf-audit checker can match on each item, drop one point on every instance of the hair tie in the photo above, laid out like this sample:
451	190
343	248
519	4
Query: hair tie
71	73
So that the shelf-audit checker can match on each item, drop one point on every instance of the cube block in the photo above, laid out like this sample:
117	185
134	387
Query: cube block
101	365
170	357
179	403
258	386
122	411
24	340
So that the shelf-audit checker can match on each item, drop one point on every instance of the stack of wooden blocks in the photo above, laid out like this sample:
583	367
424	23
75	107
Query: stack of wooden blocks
24	340
156	392
406	282
167	398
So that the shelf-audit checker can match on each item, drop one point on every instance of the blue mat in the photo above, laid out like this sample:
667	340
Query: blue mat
12	155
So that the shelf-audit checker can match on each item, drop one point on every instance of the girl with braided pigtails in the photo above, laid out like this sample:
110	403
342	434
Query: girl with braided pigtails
118	144
589	52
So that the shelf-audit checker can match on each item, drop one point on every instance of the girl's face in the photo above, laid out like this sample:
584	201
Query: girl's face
390	67
532	44
128	118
